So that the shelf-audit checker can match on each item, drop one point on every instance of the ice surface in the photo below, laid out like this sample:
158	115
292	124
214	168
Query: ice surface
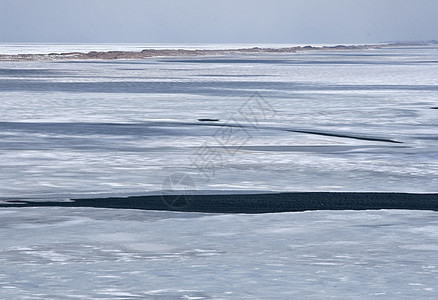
121	127
93	128
62	253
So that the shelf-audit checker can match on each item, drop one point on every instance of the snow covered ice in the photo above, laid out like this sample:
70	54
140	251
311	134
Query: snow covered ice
102	128
53	253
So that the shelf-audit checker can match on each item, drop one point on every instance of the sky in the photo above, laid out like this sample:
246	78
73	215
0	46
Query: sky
217	21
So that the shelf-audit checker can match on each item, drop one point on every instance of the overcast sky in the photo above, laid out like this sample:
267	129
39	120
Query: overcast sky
218	21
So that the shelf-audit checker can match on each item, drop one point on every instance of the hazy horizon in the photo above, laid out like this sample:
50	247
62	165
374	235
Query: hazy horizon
197	21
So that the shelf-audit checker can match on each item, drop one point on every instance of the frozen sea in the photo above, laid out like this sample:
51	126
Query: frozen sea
361	121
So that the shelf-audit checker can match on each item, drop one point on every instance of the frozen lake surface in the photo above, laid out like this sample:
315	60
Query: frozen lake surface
58	253
122	127
360	121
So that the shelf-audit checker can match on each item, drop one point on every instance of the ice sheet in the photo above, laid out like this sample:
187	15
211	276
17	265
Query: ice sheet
70	253
122	127
96	128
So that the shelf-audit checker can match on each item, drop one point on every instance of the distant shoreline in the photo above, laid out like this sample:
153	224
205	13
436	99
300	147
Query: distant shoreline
148	53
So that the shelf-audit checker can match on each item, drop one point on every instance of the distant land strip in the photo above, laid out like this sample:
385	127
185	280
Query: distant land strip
146	53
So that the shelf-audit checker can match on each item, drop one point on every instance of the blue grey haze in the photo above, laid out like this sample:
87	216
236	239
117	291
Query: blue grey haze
224	21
